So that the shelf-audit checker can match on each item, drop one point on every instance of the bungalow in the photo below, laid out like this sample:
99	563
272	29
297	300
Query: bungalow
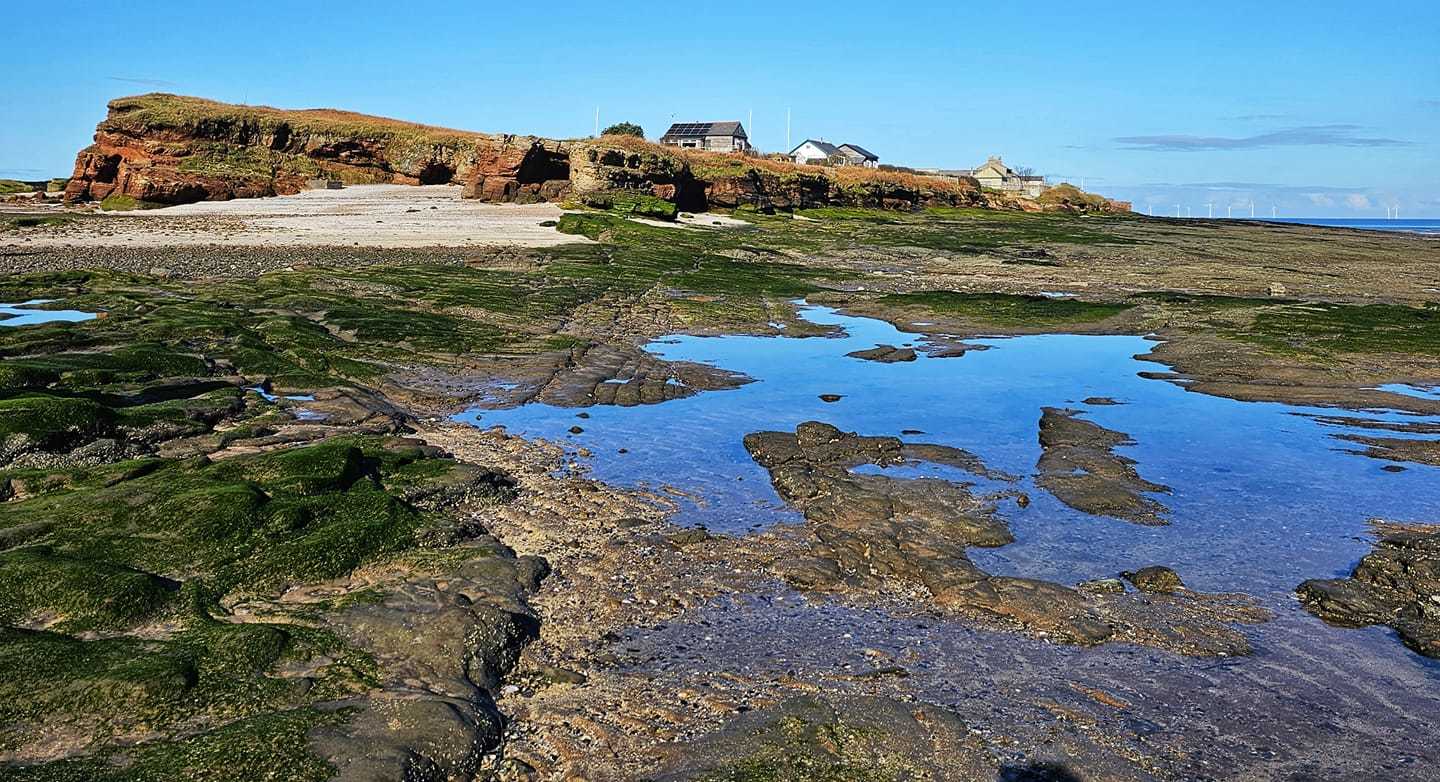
712	136
856	155
812	152
998	176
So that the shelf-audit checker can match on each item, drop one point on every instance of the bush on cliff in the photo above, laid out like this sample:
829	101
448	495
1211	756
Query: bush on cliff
624	129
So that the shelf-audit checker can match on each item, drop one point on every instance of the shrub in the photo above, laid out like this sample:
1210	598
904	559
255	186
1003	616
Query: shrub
624	129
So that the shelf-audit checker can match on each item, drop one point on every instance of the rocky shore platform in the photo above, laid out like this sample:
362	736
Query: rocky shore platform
241	537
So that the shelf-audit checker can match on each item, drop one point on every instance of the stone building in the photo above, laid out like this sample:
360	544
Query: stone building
995	175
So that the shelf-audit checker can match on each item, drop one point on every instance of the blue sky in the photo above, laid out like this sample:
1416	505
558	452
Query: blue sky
1317	108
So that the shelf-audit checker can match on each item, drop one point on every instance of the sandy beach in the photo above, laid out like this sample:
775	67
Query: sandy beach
359	216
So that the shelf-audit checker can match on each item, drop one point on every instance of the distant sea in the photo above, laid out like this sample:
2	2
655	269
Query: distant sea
1427	227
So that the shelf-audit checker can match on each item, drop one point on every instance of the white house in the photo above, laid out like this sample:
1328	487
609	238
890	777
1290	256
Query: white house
812	152
712	136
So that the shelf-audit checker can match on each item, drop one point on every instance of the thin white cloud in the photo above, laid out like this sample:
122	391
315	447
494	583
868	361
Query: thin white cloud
1309	136
144	82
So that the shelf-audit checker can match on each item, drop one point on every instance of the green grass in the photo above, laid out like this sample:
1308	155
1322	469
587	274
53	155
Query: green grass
12	186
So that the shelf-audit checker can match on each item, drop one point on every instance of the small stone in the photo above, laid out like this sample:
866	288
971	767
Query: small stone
1102	586
1156	579
576	430
831	397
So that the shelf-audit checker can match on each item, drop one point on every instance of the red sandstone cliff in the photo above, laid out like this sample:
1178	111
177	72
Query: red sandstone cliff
168	149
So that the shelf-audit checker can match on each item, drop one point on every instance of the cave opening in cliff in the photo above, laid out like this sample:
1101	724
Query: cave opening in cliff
542	165
436	173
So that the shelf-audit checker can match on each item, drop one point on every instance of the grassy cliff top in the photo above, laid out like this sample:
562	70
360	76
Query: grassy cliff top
163	110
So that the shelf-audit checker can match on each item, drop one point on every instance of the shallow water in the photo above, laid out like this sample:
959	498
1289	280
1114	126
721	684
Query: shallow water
24	314
1263	497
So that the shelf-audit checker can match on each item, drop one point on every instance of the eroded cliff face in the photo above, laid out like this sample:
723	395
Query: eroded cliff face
167	149
163	149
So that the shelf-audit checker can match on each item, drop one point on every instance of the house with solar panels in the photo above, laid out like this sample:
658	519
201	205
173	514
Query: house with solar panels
822	153
711	136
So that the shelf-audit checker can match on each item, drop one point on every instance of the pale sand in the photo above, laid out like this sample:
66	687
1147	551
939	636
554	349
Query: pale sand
356	216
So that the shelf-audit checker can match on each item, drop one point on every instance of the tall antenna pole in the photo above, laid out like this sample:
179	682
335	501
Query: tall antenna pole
750	125
597	122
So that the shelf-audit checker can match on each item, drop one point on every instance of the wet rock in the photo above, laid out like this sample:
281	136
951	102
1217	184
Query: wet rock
442	648
872	529
1155	579
834	738
558	675
1396	449
831	397
688	537
1102	586
885	354
576	430
1079	466
1100	401
1397	584
606	375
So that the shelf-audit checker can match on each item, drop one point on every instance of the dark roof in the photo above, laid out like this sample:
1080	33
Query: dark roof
703	129
861	151
826	147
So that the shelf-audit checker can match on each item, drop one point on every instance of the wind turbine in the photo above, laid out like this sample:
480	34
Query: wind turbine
1228	207
1211	214
1252	209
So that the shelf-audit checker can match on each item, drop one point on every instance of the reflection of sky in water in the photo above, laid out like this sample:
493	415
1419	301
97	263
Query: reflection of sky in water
1263	498
22	314
1432	392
